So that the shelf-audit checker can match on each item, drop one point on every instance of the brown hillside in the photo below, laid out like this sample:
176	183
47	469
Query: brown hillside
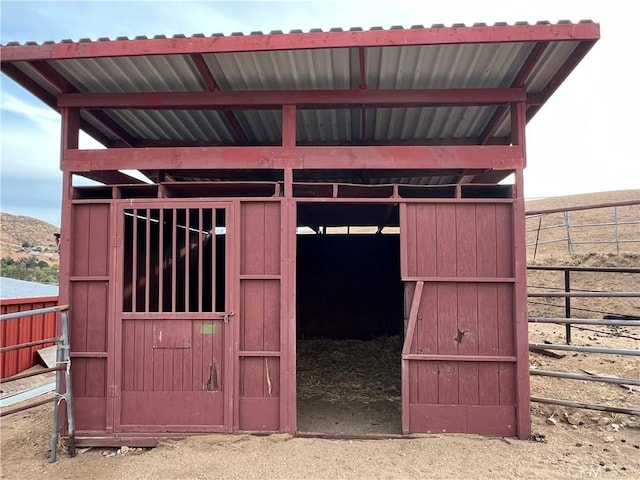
17	229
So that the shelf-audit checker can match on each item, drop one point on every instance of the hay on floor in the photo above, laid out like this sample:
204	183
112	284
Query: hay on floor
350	370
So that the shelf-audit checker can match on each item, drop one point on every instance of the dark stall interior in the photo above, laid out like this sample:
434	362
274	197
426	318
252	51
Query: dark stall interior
350	320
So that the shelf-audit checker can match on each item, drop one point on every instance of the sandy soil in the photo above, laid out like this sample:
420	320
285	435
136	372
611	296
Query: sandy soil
567	443
584	451
599	445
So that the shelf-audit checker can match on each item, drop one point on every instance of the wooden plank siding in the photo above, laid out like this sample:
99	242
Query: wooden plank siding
460	318
89	308
259	316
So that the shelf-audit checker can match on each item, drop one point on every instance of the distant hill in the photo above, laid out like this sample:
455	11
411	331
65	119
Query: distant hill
582	199
592	231
22	237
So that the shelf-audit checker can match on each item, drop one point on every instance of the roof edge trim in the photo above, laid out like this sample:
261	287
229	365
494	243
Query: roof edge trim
298	41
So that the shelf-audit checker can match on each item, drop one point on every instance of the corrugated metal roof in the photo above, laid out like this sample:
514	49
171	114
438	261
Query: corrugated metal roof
433	66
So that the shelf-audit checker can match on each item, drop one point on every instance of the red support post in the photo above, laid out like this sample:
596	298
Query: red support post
523	413
289	126
518	122
70	129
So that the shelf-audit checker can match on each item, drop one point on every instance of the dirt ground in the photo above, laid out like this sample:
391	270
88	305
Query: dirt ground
599	445
567	443
583	451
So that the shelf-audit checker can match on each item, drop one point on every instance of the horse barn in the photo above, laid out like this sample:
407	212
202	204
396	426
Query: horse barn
329	238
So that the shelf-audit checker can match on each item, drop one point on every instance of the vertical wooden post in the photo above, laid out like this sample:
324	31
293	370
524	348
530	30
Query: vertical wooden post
70	131
523	399
288	408
288	125
518	122
69	141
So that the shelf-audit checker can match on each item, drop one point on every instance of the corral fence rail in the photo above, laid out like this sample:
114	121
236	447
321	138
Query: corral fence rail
567	227
62	369
568	321
568	293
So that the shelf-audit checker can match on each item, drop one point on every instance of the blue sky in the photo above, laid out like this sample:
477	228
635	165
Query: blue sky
581	141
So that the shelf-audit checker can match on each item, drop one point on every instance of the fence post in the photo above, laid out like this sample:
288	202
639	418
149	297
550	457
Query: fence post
567	304
566	223
535	248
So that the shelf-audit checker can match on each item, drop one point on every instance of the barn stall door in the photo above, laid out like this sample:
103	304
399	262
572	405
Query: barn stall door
175	308
459	356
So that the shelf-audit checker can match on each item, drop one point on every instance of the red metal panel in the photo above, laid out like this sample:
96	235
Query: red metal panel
26	329
371	38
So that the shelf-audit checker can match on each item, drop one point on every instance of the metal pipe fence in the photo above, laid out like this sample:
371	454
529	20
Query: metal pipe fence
569	236
569	293
63	375
626	382
568	322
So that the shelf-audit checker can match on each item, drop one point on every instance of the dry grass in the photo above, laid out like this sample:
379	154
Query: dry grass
349	370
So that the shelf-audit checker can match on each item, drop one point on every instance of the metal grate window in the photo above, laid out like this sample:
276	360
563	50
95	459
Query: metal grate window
174	260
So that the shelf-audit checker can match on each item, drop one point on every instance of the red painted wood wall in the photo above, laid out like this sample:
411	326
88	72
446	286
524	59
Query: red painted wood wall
259	316
464	253
23	330
88	313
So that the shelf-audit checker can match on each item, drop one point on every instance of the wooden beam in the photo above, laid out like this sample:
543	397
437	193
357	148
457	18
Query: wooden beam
303	41
272	99
563	72
49	99
212	86
527	67
61	83
365	157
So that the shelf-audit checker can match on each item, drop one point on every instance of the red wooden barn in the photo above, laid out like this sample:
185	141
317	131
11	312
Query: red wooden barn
343	185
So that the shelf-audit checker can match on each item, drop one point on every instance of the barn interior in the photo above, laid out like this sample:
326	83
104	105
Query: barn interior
349	311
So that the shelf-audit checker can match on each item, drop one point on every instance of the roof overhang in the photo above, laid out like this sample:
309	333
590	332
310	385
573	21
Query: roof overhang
403	87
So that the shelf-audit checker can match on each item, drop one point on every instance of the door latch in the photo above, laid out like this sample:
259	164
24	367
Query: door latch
227	315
